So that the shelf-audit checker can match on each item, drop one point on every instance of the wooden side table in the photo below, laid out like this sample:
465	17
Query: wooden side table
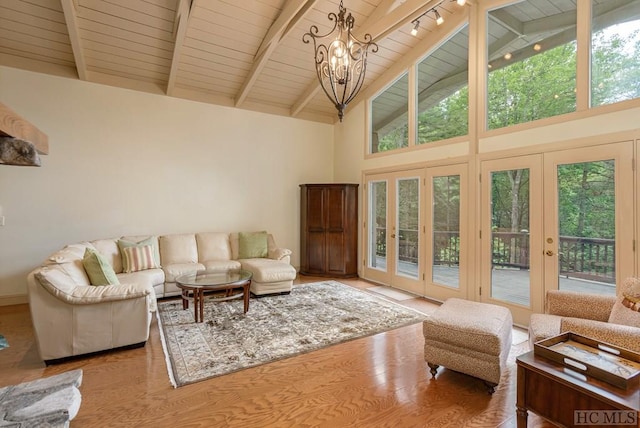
552	391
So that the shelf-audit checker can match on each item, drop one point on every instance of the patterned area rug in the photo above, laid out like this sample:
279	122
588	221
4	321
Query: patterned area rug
311	317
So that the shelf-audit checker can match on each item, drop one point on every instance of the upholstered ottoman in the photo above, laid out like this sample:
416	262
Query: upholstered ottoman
469	337
269	276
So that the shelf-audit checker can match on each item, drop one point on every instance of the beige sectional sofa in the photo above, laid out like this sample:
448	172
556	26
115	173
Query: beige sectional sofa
72	317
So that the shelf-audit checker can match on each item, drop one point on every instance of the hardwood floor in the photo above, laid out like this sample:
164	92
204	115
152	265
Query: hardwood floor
378	381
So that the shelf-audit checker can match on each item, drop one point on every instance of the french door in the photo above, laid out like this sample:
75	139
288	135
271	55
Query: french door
416	230
446	232
559	220
394	230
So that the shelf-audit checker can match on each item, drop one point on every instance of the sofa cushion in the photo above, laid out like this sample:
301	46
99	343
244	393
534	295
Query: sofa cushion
213	246
174	270
179	248
543	326
138	241
267	270
466	324
98	268
252	245
234	238
152	277
108	248
137	258
221	265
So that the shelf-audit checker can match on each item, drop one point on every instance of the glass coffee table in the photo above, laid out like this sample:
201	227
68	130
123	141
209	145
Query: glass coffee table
235	283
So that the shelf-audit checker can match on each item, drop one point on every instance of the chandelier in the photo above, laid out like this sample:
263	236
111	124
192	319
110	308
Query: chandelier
341	59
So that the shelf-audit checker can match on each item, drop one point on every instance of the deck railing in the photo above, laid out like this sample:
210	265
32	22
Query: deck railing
584	258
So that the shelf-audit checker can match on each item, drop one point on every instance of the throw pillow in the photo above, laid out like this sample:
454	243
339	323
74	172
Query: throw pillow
252	245
620	314
152	241
98	269
138	258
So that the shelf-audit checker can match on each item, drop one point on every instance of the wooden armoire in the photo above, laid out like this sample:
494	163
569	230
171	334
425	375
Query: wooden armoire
329	230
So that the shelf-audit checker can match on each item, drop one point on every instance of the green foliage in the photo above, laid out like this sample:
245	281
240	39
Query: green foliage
537	87
615	67
586	198
447	119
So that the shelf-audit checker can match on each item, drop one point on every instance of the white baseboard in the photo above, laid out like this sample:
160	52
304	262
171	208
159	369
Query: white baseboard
16	299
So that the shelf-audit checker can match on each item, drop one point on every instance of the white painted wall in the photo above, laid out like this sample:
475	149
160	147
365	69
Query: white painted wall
124	162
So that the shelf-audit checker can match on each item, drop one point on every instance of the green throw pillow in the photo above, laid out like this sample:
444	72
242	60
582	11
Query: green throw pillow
252	245
98	269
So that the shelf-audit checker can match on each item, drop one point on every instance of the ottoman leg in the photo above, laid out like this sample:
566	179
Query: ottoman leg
434	369
491	387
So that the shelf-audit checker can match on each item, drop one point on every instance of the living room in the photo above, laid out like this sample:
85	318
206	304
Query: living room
129	162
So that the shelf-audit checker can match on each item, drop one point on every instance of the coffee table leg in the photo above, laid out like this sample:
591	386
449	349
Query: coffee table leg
185	299
245	293
201	298
196	304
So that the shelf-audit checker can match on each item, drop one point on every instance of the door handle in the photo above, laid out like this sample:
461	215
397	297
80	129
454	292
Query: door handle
549	252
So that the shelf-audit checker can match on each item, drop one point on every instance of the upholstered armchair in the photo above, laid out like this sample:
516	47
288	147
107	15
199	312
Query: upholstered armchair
603	318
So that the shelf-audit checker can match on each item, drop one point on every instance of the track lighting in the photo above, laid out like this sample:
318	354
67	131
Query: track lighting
414	30
439	19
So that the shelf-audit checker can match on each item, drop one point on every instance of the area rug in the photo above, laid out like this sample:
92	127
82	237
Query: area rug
3	342
313	316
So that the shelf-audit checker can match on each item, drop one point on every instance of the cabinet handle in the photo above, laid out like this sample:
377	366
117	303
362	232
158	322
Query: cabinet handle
393	235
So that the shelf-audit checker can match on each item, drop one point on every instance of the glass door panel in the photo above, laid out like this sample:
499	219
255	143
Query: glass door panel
587	226
377	251
588	239
511	235
510	269
445	261
408	221
447	238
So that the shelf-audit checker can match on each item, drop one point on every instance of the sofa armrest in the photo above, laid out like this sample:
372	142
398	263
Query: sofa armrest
620	335
91	294
279	253
579	305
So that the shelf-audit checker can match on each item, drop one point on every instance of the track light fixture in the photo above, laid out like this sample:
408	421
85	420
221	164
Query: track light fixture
414	30
439	18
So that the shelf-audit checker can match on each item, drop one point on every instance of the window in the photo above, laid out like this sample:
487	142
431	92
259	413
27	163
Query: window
531	51
389	112
443	93
615	51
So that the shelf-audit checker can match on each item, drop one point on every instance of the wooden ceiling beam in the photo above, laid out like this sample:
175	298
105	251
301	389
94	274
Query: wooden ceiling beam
71	19
14	125
292	13
182	23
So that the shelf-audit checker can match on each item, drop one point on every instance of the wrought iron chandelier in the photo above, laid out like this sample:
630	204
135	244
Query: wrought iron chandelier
341	59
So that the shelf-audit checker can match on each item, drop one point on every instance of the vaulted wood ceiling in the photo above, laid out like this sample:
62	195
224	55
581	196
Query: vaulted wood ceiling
248	54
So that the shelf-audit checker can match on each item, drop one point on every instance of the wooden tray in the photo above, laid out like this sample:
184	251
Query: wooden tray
617	366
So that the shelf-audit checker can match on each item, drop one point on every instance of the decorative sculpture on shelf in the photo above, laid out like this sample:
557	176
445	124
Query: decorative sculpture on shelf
14	151
341	59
